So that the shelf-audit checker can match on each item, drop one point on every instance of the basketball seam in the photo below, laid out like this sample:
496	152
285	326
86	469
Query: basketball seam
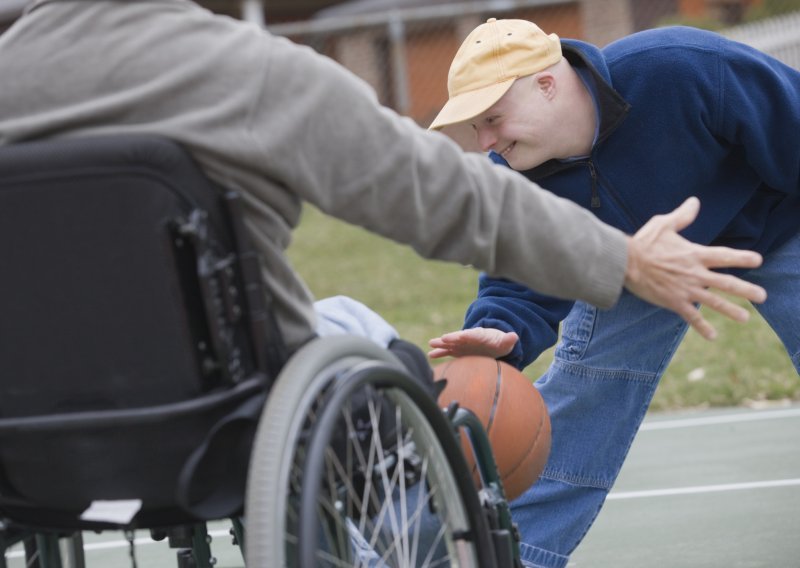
497	387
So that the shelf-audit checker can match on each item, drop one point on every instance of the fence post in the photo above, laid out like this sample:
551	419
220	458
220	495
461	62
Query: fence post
397	42
253	11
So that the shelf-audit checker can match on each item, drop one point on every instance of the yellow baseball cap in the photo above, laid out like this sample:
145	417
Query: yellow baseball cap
492	57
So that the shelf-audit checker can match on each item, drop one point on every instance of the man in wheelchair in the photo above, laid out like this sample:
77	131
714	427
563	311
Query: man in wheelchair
154	161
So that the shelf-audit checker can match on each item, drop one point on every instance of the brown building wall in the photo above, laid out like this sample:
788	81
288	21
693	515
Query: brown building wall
429	56
692	8
727	11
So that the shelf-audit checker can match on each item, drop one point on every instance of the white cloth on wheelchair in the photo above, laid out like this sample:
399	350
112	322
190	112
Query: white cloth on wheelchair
340	315
120	511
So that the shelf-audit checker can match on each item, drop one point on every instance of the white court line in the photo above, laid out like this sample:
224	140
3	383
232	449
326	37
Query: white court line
611	497
725	419
703	489
658	425
119	543
711	421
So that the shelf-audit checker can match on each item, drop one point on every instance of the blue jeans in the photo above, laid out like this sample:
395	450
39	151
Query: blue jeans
597	390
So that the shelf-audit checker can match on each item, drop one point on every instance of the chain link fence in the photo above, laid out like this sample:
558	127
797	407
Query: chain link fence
403	48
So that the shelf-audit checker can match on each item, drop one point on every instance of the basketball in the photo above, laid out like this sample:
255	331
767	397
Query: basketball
511	410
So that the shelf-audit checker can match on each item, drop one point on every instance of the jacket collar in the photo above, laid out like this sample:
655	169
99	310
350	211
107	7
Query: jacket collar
611	106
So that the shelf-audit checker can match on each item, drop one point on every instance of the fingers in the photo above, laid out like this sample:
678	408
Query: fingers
735	286
669	271
448	340
476	341
439	353
724	257
448	345
690	312
684	215
723	306
700	324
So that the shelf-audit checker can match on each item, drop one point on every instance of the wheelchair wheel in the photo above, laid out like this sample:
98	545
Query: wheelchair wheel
355	465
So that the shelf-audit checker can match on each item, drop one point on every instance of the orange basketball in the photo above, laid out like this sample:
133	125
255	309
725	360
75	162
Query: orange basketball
512	413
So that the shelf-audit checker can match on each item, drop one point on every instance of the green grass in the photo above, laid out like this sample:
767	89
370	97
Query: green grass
746	365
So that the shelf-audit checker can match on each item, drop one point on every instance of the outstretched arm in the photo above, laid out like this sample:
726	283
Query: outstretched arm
506	321
669	271
663	268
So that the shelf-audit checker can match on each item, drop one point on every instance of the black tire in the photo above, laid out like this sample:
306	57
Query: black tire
393	490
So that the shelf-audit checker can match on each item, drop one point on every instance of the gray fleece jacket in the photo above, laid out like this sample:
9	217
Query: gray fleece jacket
282	125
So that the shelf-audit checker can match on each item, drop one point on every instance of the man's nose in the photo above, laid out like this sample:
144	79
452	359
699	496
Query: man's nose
486	139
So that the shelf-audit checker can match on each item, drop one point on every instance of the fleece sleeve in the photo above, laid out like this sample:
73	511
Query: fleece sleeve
507	306
759	110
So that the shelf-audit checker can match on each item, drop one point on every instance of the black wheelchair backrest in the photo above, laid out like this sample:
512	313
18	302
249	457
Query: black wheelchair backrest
128	328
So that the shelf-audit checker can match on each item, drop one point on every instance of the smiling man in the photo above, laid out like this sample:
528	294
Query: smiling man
526	123
629	131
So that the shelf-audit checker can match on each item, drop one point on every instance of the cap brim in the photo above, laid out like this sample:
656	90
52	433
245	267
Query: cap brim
468	105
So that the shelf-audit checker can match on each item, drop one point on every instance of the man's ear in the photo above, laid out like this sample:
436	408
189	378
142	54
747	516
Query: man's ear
545	83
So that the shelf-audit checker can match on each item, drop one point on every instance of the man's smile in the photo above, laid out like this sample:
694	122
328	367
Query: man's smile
508	149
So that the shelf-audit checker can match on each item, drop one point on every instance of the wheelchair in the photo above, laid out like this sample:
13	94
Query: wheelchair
142	369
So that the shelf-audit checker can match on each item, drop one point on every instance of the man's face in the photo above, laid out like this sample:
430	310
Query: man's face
519	126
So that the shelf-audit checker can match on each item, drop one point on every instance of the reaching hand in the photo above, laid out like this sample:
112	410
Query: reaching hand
476	341
667	270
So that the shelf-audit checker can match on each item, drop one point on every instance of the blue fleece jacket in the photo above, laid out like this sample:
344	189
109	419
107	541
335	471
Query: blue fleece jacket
682	112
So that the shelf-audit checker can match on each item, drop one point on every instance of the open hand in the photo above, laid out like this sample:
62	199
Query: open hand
669	271
476	341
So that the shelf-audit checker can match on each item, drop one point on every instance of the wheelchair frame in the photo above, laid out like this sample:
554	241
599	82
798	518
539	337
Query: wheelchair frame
321	379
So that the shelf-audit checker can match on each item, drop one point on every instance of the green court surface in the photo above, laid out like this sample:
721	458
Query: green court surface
715	489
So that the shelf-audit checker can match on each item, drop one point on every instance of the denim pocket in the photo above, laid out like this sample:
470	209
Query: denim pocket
576	331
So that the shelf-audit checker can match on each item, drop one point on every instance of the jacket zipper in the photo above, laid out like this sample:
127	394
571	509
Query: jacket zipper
615	200
595	202
595	193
